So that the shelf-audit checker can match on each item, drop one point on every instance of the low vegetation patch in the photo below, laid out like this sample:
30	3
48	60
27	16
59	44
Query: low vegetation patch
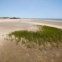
45	35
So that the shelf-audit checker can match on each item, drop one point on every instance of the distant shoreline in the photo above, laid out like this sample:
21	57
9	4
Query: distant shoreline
55	19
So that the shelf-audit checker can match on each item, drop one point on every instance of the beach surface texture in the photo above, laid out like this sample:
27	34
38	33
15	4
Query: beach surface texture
10	52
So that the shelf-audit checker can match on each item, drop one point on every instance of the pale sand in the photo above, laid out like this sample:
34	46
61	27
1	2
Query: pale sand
10	52
52	23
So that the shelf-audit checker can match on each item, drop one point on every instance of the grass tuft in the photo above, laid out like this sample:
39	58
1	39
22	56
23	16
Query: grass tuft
45	35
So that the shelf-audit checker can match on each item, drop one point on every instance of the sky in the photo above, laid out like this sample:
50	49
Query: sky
31	8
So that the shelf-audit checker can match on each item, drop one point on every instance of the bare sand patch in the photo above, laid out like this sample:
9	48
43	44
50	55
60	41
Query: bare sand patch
52	23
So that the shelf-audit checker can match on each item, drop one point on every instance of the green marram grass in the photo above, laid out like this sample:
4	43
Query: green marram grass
44	35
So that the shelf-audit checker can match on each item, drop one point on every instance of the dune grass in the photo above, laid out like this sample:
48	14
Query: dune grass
45	35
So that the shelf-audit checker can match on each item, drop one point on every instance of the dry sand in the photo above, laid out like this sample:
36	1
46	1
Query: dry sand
52	23
10	52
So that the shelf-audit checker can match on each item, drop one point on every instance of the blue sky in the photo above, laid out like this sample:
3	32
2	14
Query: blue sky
31	8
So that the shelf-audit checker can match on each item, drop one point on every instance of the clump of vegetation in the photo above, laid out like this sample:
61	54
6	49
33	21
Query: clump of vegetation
45	35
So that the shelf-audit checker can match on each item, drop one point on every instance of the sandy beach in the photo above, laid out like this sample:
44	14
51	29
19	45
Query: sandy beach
9	25
12	24
7	49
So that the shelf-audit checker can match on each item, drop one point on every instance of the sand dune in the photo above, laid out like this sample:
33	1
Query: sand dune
9	25
10	52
